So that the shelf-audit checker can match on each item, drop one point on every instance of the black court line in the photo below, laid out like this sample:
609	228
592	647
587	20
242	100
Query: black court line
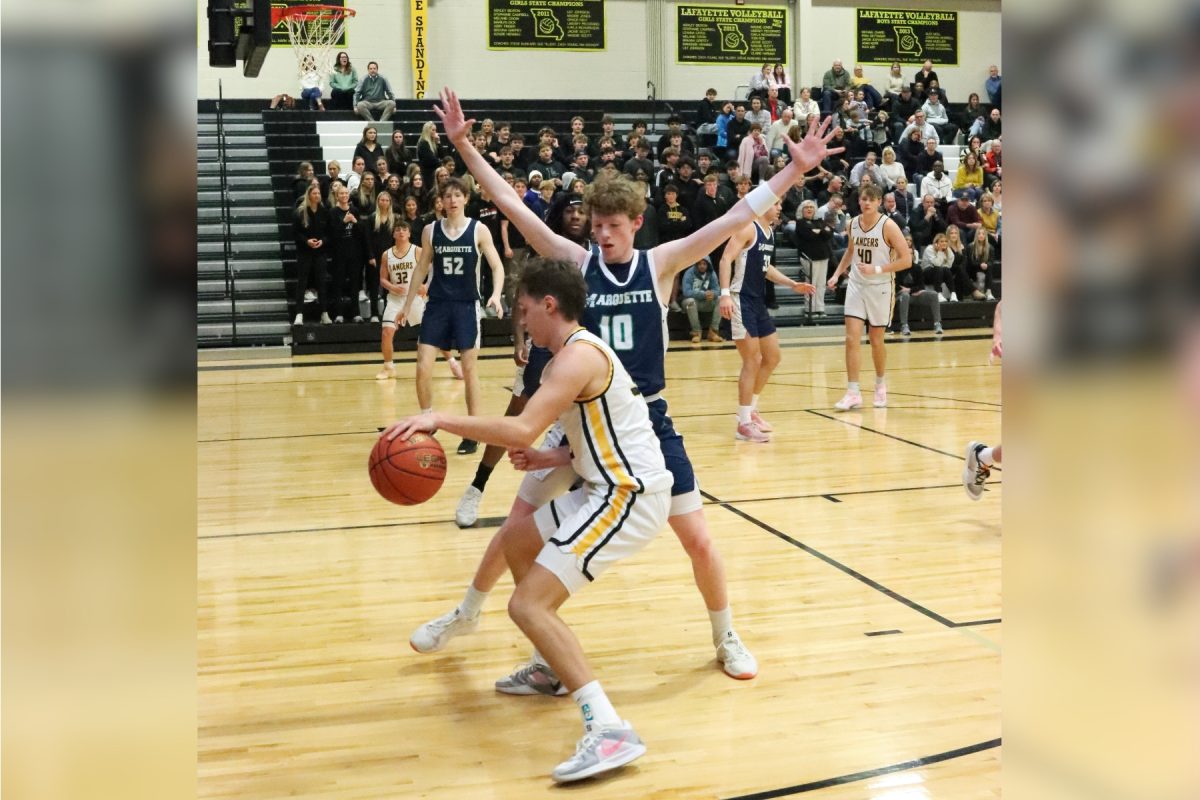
883	633
831	498
890	393
854	777
287	436
975	622
852	493
881	433
858	576
482	524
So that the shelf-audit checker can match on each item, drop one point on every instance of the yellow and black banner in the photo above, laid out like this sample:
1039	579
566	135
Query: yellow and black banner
420	35
279	34
886	35
730	35
545	24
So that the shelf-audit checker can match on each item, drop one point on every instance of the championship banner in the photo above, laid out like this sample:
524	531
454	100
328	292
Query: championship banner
886	35
545	24
279	34
420	33
730	35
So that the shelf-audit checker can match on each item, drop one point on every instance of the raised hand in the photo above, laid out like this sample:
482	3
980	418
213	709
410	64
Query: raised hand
813	148
458	128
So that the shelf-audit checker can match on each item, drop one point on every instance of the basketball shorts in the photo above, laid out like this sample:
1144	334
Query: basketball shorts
451	325
870	302
685	490
591	528
529	377
395	304
750	318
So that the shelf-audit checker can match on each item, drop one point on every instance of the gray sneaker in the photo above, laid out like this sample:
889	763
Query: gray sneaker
532	678
600	751
937	329
437	633
975	473
905	330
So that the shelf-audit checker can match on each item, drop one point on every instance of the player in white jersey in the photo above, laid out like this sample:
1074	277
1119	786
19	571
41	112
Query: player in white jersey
876	251
620	507
980	457
395	275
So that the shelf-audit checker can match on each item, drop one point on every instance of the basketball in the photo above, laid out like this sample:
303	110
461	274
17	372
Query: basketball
407	471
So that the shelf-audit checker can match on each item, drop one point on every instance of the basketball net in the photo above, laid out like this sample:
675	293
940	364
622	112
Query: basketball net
313	32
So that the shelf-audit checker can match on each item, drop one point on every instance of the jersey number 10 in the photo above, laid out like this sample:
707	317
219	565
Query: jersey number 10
617	332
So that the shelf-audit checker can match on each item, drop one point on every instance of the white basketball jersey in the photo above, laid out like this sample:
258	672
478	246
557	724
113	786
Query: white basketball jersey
400	269
612	441
870	249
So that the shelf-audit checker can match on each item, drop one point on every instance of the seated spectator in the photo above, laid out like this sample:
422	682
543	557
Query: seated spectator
908	152
700	291
675	131
303	179
937	268
753	154
927	158
858	82
974	145
760	82
988	215
991	128
835	83
833	212
835	185
963	215
374	93
779	129
925	74
813	236
838	163
961	287
758	114
890	170
993	164
608	130
910	290
904	199
706	113
970	119
737	129
903	110
983	267
641	161
938	183
774	106
895	83
342	83
310	230
782	83
926	222
920	123
933	86
805	107
992	85
937	116
968	182
310	84
867	167
892	212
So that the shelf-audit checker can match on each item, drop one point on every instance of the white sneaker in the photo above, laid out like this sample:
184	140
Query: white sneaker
325	320
849	400
600	751
749	432
736	659
435	634
941	297
975	473
467	513
299	320
339	319
358	318
989	295
374	318
760	423
532	678
880	396
310	296
953	297
937	329
362	295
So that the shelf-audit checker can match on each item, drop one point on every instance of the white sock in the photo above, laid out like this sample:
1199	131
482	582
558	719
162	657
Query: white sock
852	387
472	602
985	456
744	415
597	710
754	402
426	410
722	623
880	380
538	658
389	365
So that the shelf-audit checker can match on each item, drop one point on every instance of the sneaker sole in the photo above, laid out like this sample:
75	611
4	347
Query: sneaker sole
744	676
741	438
525	691
848	408
880	405
630	755
968	476
467	632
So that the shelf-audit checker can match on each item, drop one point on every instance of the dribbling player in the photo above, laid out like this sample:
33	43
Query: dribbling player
875	253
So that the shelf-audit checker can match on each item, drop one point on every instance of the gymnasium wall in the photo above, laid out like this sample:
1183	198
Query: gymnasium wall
640	41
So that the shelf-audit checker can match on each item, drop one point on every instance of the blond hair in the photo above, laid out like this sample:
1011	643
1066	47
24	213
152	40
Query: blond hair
618	195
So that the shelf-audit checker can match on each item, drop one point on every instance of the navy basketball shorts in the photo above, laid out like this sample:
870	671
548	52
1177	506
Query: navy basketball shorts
685	491
451	325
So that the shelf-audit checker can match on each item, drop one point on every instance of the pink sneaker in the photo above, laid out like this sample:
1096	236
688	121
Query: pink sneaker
760	423
455	369
849	401
881	396
750	433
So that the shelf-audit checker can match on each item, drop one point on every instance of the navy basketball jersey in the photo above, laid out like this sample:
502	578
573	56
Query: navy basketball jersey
455	265
750	270
628	316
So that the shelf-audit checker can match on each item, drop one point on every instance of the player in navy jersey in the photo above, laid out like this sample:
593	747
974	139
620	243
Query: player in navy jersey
566	218
746	266
453	248
627	293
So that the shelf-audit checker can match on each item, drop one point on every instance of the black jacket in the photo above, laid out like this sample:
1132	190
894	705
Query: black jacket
814	238
673	223
317	227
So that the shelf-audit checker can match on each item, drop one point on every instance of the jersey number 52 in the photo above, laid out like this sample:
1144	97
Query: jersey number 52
452	265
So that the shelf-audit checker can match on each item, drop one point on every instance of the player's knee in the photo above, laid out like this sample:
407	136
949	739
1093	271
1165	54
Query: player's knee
770	359
523	609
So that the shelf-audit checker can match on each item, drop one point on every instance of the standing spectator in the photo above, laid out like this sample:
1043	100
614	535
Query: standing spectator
310	226
363	196
834	86
992	85
805	106
737	129
937	116
779	129
753	155
377	237
782	83
910	284
722	128
925	74
369	149
357	167
342	83
397	153
991	128
374	94
310	84
427	152
304	177
758	114
965	217
760	82
890	170
706	113
709	206
961	285
346	256
814	241
700	290
641	161
968	182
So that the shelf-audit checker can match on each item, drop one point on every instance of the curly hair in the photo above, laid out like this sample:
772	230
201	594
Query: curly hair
617	195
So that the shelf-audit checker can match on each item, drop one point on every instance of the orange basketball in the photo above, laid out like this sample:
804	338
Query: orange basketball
407	471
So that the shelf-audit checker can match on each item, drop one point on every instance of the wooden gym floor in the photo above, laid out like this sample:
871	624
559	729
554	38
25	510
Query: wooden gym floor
861	576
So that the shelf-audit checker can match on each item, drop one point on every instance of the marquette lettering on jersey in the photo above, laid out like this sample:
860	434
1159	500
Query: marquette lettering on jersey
625	311
750	268
455	264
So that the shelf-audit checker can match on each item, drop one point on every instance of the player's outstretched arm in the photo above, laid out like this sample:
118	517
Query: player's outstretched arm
539	236
680	254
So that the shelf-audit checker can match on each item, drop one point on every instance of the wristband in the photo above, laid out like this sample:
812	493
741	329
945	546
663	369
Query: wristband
878	268
725	293
761	199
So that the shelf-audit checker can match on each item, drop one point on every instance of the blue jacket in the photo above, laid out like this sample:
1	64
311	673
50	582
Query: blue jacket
723	129
695	285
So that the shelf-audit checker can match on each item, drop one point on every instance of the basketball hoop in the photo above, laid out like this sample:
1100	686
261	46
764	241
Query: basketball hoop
313	31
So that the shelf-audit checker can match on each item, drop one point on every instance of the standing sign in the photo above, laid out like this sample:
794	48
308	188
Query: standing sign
886	35
730	35
419	34
545	24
